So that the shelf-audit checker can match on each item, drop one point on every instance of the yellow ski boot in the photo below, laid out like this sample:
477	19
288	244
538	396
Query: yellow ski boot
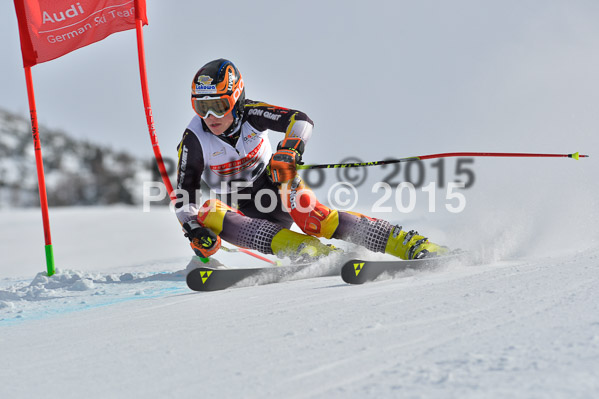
299	247
410	245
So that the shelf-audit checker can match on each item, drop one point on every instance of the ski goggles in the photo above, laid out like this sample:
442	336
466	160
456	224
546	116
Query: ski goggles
216	106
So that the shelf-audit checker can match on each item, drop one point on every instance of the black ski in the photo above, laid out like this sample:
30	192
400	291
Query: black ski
361	271
209	279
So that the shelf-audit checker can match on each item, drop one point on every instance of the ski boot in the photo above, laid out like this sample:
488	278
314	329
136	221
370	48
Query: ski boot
298	247
410	245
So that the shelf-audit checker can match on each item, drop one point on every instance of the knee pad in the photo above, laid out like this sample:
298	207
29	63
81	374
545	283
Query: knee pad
212	214
311	216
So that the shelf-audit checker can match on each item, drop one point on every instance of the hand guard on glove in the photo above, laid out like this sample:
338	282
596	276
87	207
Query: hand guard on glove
283	163
203	241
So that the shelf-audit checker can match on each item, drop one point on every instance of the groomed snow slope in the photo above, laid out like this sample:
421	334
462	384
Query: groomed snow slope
108	325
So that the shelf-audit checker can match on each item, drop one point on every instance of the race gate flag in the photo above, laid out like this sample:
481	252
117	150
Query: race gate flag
52	28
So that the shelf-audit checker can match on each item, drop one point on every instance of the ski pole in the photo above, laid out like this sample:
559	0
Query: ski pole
575	155
245	251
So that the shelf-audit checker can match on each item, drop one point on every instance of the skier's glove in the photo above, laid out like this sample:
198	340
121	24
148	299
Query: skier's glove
203	241
283	163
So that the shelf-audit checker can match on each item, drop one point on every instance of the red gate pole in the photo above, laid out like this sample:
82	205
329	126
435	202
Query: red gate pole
41	181
148	108
150	120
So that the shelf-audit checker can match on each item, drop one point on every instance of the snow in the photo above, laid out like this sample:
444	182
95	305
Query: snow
118	321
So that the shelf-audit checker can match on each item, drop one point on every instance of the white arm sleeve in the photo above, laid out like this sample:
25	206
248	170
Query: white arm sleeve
301	129
187	212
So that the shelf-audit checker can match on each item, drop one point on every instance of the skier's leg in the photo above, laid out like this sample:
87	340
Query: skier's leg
258	234
379	235
308	213
374	234
260	201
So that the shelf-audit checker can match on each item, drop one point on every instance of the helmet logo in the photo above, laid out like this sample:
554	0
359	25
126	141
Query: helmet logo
203	86
231	80
205	80
238	90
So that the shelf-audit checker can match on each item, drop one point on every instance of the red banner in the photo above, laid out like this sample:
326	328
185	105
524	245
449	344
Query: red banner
52	28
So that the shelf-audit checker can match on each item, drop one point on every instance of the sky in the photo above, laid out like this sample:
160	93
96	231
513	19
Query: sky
379	78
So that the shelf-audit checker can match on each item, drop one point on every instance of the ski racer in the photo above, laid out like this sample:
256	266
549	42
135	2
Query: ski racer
260	195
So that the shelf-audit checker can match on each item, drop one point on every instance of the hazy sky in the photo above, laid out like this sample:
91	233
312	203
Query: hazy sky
379	78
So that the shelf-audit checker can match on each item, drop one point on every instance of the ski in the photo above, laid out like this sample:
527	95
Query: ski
214	279
358	271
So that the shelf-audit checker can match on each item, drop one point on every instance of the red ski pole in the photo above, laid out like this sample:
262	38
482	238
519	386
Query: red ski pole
443	155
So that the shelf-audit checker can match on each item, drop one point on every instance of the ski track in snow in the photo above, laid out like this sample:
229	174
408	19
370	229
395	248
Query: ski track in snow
519	328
